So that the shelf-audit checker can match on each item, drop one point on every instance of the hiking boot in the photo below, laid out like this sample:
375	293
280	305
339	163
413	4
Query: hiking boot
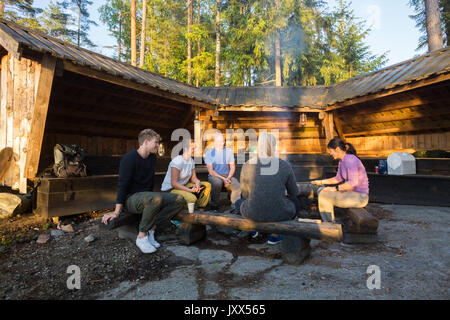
151	239
145	245
274	240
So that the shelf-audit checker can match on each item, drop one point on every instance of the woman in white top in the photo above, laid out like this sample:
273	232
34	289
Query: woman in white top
181	178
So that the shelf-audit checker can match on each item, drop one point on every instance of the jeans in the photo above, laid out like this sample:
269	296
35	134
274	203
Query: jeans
217	185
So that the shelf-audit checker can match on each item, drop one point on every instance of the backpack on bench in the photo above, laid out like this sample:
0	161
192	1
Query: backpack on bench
69	161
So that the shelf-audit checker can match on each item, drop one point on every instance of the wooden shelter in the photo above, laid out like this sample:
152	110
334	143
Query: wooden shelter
54	92
404	107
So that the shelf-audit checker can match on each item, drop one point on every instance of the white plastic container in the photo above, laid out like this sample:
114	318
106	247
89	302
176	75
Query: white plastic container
400	163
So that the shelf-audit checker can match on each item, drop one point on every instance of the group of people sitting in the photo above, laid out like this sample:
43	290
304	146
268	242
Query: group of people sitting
257	196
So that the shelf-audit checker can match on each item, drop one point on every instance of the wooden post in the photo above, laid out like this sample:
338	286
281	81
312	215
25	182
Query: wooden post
198	137
327	123
44	89
338	124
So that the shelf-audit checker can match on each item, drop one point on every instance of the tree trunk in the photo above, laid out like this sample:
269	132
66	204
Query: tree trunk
2	8
143	30
434	29
446	8
119	41
189	44
277	53
133	33
79	27
197	81
217	74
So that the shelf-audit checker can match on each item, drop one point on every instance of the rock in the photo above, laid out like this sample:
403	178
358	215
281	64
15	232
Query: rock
13	204
56	233
89	238
43	238
66	228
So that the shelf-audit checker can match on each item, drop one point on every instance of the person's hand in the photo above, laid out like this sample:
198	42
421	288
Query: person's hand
195	189
317	182
227	182
109	216
329	189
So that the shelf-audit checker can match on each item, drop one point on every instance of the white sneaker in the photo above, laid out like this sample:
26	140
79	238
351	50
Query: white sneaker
145	245
151	239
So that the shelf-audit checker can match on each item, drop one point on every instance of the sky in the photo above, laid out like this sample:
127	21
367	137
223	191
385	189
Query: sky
393	31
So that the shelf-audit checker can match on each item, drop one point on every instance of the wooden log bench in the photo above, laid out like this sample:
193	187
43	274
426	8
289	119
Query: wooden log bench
295	245
361	227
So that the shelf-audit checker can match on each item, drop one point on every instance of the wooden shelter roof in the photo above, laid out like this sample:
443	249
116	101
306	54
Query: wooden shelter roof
320	97
17	40
419	68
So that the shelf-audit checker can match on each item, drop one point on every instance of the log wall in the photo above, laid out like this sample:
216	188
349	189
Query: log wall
19	82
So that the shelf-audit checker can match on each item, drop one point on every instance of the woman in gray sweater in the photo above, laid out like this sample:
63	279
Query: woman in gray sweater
265	181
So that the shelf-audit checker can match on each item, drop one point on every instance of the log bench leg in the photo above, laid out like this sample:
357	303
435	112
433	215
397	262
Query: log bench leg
295	249
359	238
129	231
189	233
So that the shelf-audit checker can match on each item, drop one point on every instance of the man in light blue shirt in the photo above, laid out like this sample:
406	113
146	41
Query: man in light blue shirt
221	168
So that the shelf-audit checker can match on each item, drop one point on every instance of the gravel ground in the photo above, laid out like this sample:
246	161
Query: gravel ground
412	254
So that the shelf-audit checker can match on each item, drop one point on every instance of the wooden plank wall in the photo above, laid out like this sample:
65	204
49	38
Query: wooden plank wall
19	79
294	139
384	145
92	145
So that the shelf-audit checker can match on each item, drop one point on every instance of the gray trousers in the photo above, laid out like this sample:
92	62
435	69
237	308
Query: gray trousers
217	185
155	207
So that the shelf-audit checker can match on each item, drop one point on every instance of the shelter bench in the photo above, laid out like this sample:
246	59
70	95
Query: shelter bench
297	235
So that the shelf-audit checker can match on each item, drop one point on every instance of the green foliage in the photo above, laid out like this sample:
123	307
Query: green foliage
319	45
22	12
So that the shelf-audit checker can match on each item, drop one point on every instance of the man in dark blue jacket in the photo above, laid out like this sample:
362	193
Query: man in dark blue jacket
135	191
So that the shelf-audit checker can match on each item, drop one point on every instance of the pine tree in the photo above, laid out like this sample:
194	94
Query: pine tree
80	21
116	15
22	12
420	18
56	22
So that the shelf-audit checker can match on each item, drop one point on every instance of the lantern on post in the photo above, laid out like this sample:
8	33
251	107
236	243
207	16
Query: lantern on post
302	120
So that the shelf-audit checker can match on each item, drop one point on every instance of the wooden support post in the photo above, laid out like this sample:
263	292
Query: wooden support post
198	138
327	124
44	89
338	124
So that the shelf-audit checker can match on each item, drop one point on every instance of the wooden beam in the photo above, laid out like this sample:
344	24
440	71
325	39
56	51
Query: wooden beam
44	89
269	109
384	93
399	115
327	124
338	125
429	126
89	72
367	110
8	42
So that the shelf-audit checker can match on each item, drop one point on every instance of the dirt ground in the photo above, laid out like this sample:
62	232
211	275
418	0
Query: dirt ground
29	270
